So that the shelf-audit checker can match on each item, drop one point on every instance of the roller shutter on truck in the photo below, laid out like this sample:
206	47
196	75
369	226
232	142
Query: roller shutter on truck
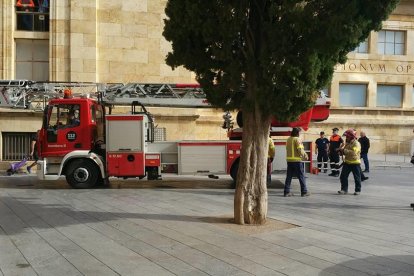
199	157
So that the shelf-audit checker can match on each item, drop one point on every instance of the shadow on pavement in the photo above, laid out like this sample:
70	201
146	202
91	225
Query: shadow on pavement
341	205
17	215
375	265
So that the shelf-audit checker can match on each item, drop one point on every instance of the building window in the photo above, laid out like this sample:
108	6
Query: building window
352	94
32	15
389	95
412	98
391	42
32	59
362	47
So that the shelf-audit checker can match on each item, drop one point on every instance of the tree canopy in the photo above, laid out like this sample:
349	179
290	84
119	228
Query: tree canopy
269	58
282	51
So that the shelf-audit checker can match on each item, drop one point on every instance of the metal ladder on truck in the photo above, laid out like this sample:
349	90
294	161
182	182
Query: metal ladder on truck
26	94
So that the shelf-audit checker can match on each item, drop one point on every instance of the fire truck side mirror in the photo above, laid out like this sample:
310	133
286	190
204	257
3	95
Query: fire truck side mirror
45	113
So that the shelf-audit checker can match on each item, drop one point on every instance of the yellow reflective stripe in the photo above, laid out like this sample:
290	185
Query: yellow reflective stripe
294	159
352	162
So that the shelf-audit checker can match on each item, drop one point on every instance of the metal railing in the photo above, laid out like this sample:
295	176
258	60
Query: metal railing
160	134
32	21
385	152
16	145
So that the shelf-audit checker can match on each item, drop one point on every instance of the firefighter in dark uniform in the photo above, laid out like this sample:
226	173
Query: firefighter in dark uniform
322	146
335	143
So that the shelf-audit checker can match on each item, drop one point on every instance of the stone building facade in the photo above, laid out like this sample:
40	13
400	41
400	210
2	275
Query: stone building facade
374	90
121	41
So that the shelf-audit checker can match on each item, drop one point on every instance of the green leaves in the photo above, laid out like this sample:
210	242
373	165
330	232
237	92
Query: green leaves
277	54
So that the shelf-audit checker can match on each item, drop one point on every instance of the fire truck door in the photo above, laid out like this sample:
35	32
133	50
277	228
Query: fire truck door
63	130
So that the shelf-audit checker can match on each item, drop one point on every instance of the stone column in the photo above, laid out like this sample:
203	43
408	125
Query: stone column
83	35
373	43
334	92
59	54
372	93
408	96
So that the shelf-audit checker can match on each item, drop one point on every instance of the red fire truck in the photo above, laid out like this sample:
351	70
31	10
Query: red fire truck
82	141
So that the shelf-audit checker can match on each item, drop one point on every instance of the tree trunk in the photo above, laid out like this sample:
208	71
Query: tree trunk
250	199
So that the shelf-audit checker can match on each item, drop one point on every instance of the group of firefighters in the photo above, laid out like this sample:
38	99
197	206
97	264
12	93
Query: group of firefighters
335	148
332	150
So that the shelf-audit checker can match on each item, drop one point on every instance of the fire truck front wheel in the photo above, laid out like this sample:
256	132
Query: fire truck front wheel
82	174
233	172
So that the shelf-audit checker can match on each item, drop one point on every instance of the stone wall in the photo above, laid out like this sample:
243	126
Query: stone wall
111	41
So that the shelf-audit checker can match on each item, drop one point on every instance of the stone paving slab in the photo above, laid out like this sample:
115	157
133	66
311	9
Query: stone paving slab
170	228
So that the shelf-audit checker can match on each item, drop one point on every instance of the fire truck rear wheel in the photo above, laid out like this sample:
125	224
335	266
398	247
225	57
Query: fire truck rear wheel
152	173
82	174
239	118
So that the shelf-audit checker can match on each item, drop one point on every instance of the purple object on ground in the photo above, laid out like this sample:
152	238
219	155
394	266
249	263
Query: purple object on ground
15	166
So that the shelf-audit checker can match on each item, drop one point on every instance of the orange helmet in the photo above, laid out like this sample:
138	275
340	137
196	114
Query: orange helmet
350	133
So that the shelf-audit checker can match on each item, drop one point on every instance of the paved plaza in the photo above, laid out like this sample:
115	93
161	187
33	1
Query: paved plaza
176	227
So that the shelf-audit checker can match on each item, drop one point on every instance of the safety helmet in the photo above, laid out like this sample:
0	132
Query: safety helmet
295	132
350	134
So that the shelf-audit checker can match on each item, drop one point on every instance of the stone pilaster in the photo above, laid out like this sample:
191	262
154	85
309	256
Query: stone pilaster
6	43
83	40
59	53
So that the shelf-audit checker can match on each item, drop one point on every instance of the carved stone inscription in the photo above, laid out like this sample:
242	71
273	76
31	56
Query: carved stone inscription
375	67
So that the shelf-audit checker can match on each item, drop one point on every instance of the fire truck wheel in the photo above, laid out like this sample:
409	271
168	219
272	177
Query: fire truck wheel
239	118
152	173
82	174
233	172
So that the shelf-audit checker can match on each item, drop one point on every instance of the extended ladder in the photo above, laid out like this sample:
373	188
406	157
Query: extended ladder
35	95
174	95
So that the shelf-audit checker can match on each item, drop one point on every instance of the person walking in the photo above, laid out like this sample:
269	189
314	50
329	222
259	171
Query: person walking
270	156
33	152
335	143
365	144
352	162
295	154
322	146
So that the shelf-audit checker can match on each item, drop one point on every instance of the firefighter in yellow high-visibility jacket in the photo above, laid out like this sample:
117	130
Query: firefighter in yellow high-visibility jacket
295	154
352	162
270	157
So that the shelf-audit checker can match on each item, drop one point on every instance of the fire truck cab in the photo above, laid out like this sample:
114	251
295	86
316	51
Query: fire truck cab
70	124
71	128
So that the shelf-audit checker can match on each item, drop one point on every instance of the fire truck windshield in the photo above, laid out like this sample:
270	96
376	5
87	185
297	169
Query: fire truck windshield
63	116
